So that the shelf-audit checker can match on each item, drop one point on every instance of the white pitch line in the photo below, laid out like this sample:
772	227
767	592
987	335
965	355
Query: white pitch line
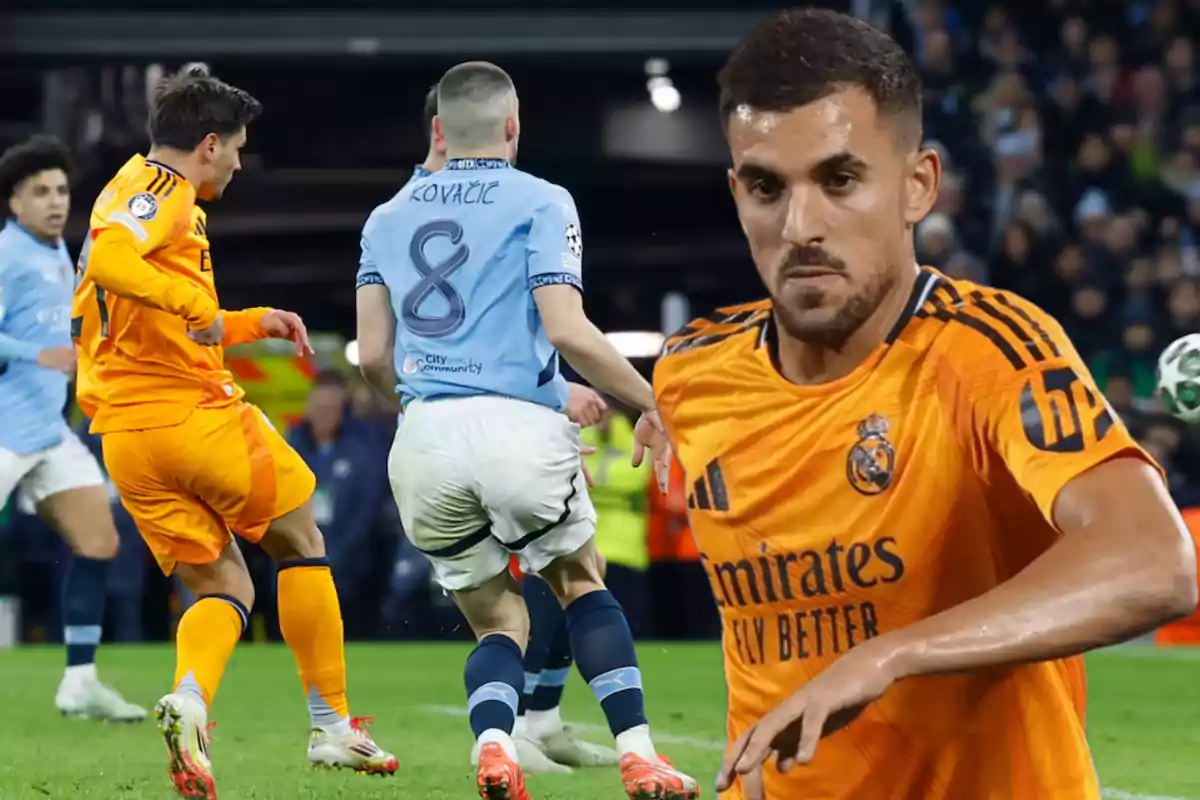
719	747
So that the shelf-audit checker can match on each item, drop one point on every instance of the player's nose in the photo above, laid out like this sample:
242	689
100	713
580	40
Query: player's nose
803	224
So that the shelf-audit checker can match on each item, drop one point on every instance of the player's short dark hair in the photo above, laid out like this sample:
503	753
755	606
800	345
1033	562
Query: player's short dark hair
191	104
36	154
430	111
801	55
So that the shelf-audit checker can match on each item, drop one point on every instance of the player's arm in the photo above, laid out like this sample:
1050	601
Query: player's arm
554	268
14	349
115	262
1124	565
244	326
376	326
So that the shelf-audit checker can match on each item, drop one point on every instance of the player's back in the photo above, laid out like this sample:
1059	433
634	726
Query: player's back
832	514
35	300
137	366
454	250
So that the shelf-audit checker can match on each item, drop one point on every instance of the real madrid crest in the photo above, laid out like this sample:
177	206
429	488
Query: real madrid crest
871	462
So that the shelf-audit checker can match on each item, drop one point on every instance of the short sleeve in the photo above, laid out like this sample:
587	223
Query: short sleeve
555	246
1042	413
150	215
368	272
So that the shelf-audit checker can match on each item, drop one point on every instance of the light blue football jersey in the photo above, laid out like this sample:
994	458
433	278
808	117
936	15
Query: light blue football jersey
37	280
461	252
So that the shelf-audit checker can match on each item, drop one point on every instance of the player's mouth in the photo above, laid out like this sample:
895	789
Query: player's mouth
810	274
56	219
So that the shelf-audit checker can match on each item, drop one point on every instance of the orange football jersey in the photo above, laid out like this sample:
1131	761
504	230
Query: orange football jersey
830	514
145	277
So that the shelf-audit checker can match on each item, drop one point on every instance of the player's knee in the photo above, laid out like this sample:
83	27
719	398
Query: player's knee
293	536
574	575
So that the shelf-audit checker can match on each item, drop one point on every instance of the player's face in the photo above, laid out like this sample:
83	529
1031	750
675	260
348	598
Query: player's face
325	407
41	203
827	195
223	156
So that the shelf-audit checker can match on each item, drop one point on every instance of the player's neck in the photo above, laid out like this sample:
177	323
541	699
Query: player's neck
498	152
177	161
808	364
433	162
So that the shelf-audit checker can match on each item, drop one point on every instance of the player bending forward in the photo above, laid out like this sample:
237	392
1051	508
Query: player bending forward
544	742
192	461
39	455
472	277
926	511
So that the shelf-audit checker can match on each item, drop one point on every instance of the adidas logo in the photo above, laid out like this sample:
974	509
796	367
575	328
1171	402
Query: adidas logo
708	492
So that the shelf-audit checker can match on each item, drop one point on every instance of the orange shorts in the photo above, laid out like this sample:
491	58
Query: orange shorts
190	486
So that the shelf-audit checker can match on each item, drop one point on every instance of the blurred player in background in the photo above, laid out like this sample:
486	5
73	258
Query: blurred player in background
39	455
469	288
193	461
544	742
925	511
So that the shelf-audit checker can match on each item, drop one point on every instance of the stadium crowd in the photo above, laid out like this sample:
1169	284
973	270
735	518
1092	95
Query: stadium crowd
1071	142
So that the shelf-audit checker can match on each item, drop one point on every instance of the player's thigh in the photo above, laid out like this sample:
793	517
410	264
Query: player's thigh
576	573
495	607
147	466
431	474
534	490
67	487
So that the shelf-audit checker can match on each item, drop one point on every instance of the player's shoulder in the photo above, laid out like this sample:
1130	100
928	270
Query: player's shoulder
539	190
983	332
726	332
143	189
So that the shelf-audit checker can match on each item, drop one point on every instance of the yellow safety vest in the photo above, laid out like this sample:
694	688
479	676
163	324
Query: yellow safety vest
619	495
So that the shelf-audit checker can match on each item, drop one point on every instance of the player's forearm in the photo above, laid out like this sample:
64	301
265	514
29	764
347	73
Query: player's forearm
13	349
115	266
591	355
1081	594
381	376
243	326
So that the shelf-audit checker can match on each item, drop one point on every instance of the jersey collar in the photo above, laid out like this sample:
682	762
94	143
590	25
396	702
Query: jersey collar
477	163
419	172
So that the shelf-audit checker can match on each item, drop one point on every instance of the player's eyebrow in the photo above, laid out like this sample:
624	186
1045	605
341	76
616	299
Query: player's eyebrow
749	172
844	161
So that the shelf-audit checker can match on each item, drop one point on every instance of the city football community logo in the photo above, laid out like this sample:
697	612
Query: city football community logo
144	206
871	462
574	240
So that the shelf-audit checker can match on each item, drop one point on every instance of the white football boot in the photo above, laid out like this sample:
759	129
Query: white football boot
183	721
350	747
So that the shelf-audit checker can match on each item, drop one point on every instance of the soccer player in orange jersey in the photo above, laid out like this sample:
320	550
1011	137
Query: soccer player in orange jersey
194	462
915	507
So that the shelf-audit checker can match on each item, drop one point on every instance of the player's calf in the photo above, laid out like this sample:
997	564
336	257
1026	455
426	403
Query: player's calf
606	658
83	518
310	618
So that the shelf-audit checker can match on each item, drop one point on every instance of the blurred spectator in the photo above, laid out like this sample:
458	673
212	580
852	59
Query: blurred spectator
352	490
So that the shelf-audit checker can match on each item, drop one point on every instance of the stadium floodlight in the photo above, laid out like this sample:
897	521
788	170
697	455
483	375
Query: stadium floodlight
352	353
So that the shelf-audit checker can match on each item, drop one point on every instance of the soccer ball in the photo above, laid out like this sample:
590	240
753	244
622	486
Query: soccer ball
1179	378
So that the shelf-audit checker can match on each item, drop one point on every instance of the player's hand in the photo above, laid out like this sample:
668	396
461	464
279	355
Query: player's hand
649	434
61	359
211	336
584	406
587	476
829	701
286	325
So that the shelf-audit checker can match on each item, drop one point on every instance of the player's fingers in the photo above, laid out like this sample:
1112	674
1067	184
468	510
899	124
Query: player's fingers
810	735
639	453
752	785
733	752
757	749
587	450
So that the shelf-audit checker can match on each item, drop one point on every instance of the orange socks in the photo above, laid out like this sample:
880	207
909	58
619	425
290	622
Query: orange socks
204	641
310	618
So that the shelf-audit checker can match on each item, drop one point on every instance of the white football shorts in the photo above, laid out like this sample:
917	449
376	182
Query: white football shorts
479	478
65	466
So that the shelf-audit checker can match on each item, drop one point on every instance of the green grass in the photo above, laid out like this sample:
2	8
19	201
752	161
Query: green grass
1144	715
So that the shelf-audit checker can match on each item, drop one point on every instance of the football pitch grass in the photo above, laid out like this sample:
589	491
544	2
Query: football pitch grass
1144	725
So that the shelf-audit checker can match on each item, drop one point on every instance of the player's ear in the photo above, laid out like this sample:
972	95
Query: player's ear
210	145
511	129
732	178
924	181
